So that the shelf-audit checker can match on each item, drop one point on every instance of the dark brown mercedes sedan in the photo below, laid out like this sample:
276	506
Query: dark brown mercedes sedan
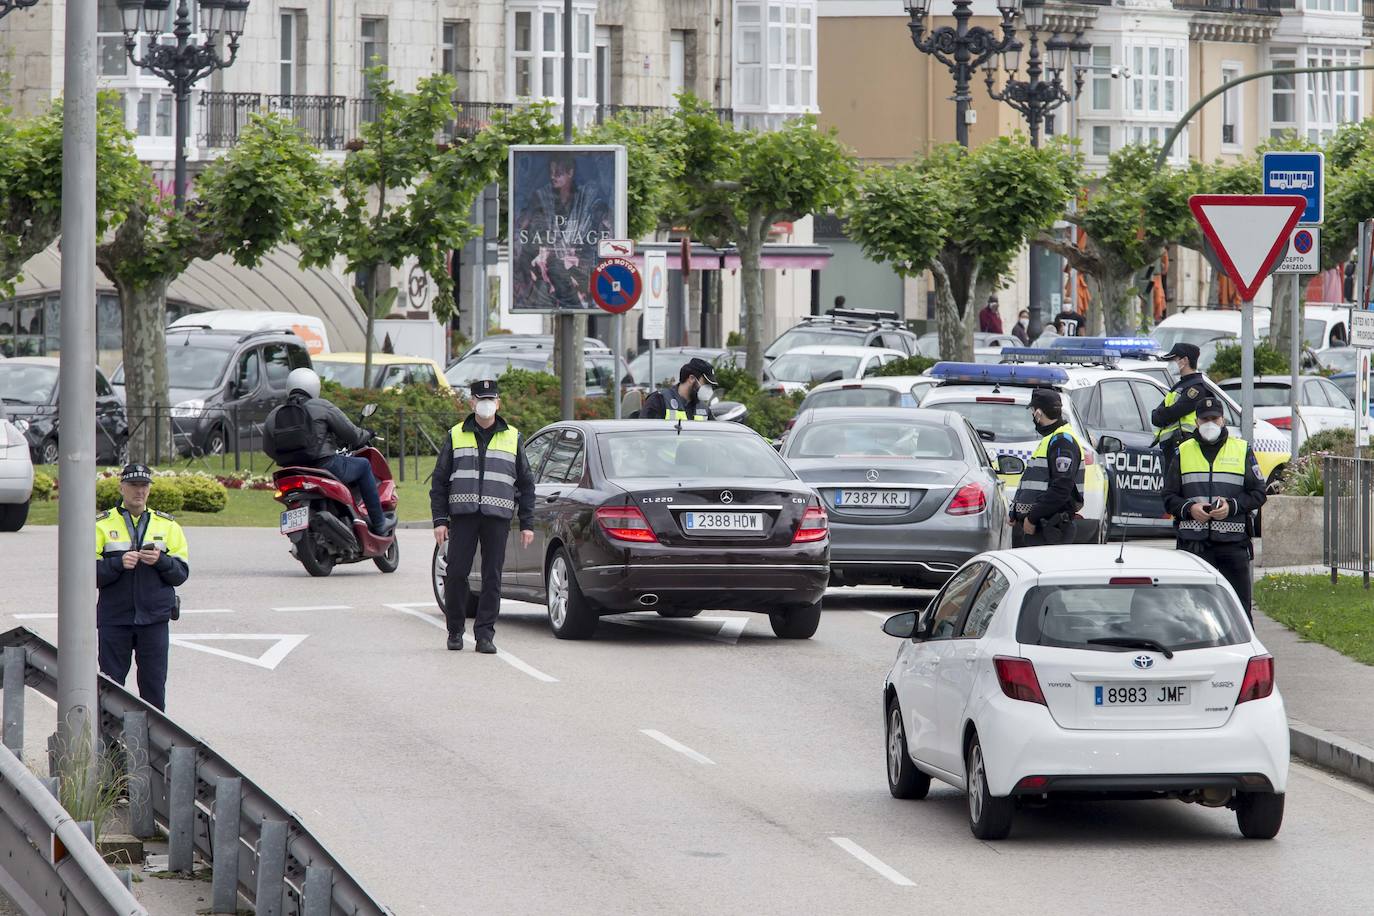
636	515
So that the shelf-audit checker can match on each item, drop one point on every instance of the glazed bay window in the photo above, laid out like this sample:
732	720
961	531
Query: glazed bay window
534	63
1230	106
1158	74
775	56
1101	99
1332	99
1283	108
1102	140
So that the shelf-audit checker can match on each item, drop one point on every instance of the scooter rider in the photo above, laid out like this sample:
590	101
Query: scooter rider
312	439
690	399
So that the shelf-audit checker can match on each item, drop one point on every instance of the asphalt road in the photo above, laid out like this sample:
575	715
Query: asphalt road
666	766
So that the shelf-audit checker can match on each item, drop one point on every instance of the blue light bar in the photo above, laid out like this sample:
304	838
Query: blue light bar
1126	346
1082	356
999	374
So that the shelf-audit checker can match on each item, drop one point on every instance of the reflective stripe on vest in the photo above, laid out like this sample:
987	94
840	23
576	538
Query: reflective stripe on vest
1222	478
114	536
673	409
1183	425
1036	478
488	487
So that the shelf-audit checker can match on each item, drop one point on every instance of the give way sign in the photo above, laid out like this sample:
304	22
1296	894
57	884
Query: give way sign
1249	232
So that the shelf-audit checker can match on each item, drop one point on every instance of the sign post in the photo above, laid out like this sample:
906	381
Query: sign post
1248	233
1303	257
655	304
615	287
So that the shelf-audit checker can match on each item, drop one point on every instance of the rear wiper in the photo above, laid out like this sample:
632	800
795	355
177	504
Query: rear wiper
1133	642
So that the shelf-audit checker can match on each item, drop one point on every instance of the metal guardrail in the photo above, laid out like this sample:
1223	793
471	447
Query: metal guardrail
1348	515
51	865
258	849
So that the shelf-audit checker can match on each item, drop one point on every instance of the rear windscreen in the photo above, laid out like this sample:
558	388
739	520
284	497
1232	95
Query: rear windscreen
1175	616
1006	422
1265	395
879	438
852	397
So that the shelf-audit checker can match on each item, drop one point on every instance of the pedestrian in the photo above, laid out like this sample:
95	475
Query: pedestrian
839	302
1021	330
1050	494
1174	418
990	318
141	558
690	399
1211	491
1067	322
308	431
478	487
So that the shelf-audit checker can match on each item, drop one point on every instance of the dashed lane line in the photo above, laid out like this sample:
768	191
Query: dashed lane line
518	664
872	861
879	614
677	746
315	607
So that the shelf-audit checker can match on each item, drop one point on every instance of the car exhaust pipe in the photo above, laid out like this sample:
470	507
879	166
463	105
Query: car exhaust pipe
648	600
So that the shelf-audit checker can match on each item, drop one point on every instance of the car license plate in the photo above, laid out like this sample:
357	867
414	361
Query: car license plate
1140	695
295	520
694	522
879	498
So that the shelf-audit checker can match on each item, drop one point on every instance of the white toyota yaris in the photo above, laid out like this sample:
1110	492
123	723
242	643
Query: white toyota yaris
1052	671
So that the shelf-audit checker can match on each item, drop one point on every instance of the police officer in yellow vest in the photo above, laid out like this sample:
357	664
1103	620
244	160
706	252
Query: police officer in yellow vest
1051	489
1211	490
480	483
1175	418
690	399
141	558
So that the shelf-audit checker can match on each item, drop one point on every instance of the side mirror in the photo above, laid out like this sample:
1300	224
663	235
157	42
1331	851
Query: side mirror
369	410
902	626
1108	445
1010	465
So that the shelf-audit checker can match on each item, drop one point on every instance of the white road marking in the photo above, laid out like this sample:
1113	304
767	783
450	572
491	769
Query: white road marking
282	644
1326	779
731	628
213	610
516	663
872	861
677	746
878	614
316	607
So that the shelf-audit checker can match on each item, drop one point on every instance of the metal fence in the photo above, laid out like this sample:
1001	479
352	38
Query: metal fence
257	848
1348	515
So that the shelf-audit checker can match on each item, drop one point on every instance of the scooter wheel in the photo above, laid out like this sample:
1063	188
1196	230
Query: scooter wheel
388	561
314	557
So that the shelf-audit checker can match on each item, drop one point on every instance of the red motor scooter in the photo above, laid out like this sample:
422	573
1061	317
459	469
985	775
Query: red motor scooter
327	521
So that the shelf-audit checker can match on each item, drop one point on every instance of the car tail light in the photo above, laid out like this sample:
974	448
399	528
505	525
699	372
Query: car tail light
995	400
815	526
1033	782
1018	680
625	523
1259	679
1282	422
970	500
1130	580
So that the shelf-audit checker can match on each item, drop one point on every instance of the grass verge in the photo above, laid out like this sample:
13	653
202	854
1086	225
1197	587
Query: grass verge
1340	616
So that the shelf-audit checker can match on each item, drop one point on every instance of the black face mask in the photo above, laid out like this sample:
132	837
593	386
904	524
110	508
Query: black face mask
1046	428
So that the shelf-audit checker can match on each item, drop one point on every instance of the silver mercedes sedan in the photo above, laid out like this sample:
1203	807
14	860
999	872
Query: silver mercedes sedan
911	493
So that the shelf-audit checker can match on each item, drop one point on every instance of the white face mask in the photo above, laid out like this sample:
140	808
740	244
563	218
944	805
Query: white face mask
1210	432
705	393
485	408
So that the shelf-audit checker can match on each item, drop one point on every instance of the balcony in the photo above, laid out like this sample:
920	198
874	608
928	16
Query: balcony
1243	7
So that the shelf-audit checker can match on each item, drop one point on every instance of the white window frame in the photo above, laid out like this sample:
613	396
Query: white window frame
1153	91
1232	106
1280	58
1330	99
1093	141
546	58
286	51
780	78
1101	77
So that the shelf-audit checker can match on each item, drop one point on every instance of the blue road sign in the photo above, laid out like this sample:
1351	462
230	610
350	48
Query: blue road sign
616	285
1301	174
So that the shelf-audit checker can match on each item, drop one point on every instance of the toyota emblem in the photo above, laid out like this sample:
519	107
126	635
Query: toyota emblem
1143	661
872	474
726	496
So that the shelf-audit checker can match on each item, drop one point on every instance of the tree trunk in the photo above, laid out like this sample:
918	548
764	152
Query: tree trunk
1117	303
956	334
371	292
145	371
1280	314
1095	319
751	282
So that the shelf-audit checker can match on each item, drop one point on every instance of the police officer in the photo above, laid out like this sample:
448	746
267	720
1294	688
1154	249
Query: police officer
690	399
1175	418
141	558
1211	490
478	486
1051	489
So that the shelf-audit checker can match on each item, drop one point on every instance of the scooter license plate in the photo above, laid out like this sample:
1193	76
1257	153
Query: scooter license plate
295	520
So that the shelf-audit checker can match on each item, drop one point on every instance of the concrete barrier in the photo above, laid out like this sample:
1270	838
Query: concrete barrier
1292	531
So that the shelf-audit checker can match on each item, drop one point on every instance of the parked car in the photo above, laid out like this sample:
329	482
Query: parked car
847	328
632	515
1337	359
1322	326
599	368
309	328
1322	405
668	360
982	340
874	391
1088	673
522	342
30	392
911	493
799	369
388	370
223	384
16	475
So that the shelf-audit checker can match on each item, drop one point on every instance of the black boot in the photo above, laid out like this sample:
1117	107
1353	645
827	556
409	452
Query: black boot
455	643
486	647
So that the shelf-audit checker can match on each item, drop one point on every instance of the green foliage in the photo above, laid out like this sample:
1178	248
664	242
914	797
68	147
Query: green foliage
165	495
43	485
734	339
1336	615
1339	442
768	414
106	493
1304	477
1268	361
653	164
912	365
202	494
899	216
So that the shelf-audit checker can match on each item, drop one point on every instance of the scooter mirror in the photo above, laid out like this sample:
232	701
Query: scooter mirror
369	410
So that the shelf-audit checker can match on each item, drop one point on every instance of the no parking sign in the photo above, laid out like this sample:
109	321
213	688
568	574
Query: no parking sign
1304	252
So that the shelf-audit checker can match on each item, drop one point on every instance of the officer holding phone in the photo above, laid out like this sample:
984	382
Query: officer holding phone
1212	490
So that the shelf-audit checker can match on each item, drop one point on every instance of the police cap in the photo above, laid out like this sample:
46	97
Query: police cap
485	388
1188	350
1046	399
698	367
1210	407
136	473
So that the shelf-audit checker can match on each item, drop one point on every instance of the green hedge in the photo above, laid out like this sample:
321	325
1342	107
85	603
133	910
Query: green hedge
912	365
768	414
43	485
1268	361
170	493
202	494
1335	441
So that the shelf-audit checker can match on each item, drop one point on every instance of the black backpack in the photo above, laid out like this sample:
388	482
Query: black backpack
289	434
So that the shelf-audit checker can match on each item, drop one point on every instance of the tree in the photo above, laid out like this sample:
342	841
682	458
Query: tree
736	184
399	194
245	203
963	215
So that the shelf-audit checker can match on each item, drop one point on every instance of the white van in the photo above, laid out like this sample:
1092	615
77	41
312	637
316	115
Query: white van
1323	325
308	328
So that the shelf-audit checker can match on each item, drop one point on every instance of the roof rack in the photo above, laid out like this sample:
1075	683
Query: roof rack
865	314
1081	356
1127	347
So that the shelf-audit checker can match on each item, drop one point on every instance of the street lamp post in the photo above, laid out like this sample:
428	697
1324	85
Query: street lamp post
182	64
8	6
962	49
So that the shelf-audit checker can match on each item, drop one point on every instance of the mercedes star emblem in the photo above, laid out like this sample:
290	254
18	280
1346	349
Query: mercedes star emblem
872	474
726	496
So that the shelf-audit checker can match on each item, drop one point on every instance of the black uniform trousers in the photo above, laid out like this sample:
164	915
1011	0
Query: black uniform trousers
1232	560
465	533
120	645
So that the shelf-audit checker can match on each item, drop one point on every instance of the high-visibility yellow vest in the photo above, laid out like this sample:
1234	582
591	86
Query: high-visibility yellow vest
1036	479
1222	478
488	487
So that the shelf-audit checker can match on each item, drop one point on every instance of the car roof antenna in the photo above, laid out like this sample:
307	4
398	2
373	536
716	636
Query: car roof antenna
679	426
1107	519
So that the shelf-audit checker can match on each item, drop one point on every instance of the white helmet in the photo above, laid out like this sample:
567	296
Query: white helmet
304	380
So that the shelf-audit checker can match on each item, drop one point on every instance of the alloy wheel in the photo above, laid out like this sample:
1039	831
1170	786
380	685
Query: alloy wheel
894	744
976	778
558	593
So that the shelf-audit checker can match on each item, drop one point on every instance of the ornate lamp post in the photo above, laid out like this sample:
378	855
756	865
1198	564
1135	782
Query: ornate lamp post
962	49
182	64
6	6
